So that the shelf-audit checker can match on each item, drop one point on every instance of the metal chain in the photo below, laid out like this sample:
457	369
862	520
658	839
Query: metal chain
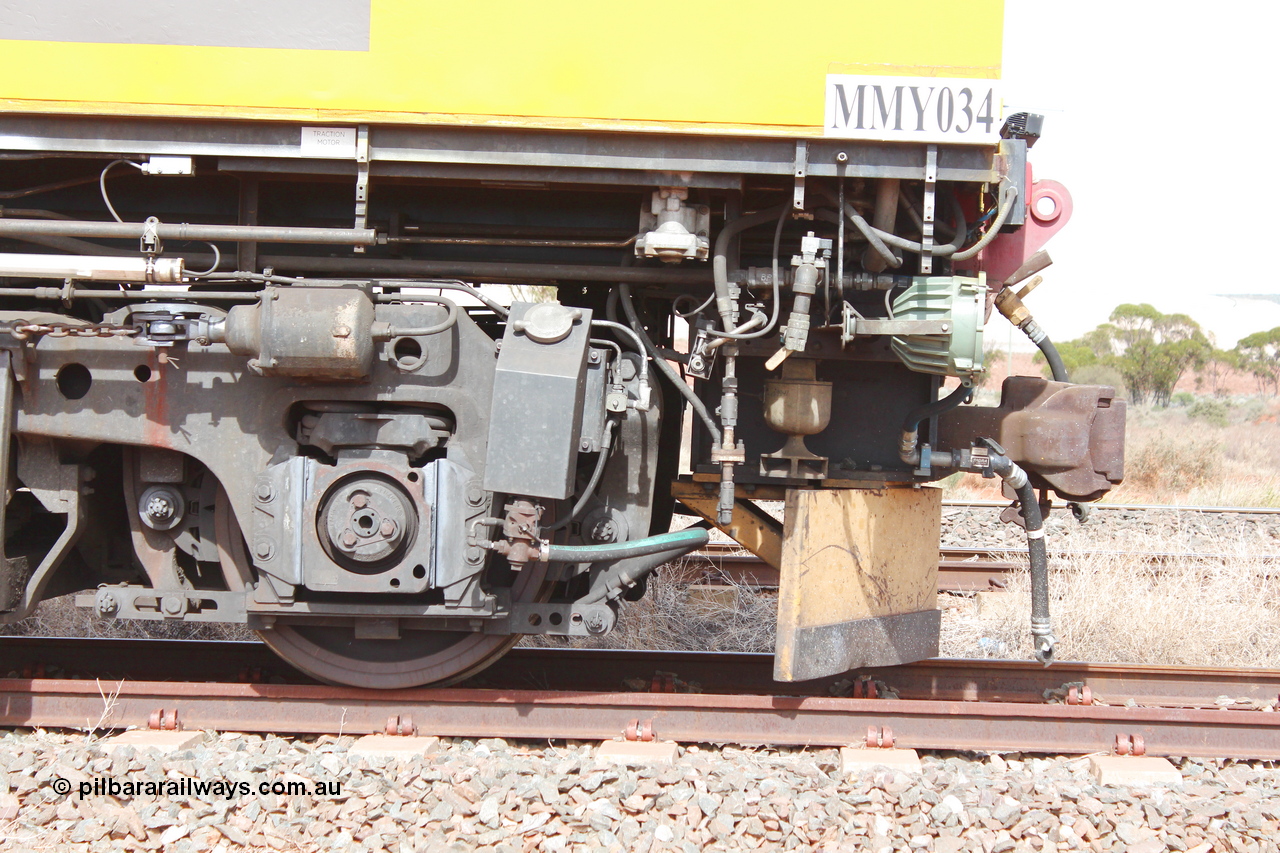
22	331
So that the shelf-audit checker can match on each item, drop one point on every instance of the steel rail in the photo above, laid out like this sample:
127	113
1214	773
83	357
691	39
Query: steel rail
567	669
696	718
1240	510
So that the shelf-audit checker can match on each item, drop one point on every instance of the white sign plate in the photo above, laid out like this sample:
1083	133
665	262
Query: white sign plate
336	143
913	109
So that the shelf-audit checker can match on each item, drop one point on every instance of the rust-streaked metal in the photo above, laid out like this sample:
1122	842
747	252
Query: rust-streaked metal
701	718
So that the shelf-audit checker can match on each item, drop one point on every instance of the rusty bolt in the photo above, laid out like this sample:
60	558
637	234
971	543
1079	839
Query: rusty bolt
342	331
173	605
387	528
359	501
348	538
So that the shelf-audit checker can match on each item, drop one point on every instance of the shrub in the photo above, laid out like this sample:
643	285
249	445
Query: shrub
1184	398
1100	374
1172	464
1213	412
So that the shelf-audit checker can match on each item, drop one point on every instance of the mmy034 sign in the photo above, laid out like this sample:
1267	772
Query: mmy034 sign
913	109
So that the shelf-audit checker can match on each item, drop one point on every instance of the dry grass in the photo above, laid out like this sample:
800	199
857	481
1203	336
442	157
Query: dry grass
1205	611
675	615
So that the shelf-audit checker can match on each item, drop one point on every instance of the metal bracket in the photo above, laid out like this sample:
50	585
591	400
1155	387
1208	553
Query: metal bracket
569	620
639	730
400	725
362	179
879	737
164	721
188	605
930	206
802	169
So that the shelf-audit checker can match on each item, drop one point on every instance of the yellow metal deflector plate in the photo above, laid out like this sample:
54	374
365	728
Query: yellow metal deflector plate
859	580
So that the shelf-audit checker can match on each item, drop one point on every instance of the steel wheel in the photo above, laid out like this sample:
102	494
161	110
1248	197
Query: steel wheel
334	655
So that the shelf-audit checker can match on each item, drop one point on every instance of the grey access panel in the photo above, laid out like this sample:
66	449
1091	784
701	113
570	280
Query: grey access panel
535	422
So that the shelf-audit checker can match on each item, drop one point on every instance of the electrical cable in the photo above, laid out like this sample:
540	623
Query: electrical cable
696	311
606	448
102	185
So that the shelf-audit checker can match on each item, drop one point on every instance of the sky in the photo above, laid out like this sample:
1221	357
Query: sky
1156	120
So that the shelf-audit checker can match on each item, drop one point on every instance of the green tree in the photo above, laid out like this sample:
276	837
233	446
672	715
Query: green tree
1259	354
1151	350
1217	369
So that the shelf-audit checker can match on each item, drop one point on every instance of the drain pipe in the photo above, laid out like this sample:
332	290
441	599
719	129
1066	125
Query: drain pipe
1037	553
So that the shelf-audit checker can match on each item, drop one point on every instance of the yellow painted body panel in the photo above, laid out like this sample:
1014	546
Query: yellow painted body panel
699	66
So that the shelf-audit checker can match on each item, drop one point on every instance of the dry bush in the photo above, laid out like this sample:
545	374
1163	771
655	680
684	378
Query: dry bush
669	619
1175	463
1122	608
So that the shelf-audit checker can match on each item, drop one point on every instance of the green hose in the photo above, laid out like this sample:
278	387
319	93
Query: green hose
681	542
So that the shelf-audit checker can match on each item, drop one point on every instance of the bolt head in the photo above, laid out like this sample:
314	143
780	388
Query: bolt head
264	492
160	508
387	528
585	445
107	604
348	539
263	549
359	501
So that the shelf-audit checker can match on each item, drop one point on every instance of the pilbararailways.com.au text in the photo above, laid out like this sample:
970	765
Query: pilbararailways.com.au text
188	787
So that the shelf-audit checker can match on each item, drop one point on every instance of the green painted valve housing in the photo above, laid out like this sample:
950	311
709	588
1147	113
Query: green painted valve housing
961	304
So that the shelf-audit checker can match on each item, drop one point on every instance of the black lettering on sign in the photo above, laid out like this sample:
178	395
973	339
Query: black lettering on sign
936	109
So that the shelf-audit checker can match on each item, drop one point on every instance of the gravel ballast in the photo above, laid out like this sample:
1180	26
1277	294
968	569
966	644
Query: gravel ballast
494	795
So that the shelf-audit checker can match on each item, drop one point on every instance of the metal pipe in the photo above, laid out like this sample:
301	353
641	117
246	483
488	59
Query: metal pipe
66	293
520	242
90	268
486	271
20	228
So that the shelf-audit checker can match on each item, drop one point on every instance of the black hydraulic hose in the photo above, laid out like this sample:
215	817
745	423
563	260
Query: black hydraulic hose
937	407
907	450
678	542
713	429
606	445
1055	360
720	257
1037	553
